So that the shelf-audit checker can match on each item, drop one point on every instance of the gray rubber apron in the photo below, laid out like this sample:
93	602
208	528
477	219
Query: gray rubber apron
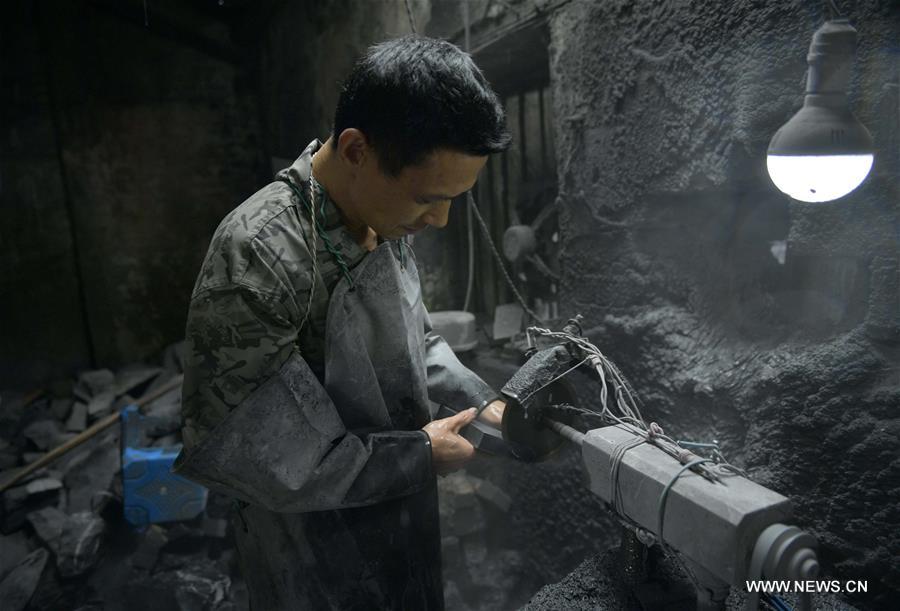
377	556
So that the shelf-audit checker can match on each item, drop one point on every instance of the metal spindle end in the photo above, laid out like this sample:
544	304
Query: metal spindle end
573	435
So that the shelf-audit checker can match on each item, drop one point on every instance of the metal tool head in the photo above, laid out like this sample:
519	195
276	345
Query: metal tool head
529	393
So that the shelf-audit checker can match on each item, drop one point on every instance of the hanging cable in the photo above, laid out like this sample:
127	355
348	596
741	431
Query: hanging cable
499	259
412	19
470	234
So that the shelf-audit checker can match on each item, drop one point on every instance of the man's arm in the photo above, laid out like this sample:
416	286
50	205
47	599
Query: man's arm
258	425
455	385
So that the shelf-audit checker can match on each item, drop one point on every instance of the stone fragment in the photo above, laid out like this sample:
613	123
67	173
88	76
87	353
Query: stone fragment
201	587
9	455
92	383
492	493
162	424
465	517
133	376
77	421
79	545
173	357
91	472
42	485
147	553
44	434
13	550
48	524
474	550
453	598
18	502
60	407
166	442
215	528
451	553
74	539
101	403
18	586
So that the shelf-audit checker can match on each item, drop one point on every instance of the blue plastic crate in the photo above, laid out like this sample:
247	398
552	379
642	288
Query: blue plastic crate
152	493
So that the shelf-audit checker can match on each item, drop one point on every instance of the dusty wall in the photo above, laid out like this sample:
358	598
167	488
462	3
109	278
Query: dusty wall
307	49
125	145
671	229
41	313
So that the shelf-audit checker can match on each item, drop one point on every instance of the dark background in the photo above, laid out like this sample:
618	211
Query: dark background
128	130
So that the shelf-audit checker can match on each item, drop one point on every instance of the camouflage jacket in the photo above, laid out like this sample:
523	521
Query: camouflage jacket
248	306
251	296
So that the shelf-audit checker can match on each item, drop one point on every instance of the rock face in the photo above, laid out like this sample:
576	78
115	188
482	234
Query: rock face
598	585
740	316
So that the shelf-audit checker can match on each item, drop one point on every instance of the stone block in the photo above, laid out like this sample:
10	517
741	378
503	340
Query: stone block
60	407
92	383
77	421
18	586
101	404
44	434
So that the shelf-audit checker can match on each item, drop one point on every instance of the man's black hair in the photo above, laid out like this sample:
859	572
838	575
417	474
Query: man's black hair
413	95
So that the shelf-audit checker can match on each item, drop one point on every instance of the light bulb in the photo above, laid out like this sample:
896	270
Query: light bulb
818	178
823	152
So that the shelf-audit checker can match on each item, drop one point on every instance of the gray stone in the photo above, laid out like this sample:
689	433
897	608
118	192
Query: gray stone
44	434
74	539
474	551
132	376
163	424
453	598
101	403
92	383
166	406
173	357
92	471
147	553
77	421
18	586
9	455
30	457
42	485
48	523
166	442
461	511
13	550
200	588
60	407
492	493
216	528
80	543
19	501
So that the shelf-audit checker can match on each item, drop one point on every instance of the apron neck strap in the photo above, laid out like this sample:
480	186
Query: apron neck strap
320	230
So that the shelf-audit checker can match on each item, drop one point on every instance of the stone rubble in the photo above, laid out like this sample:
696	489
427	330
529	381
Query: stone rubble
65	541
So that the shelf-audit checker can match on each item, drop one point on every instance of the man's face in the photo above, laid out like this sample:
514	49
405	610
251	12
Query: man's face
419	196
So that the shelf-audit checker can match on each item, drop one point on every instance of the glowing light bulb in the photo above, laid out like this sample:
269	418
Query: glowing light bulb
823	152
818	178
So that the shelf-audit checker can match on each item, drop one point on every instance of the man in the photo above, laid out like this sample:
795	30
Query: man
311	361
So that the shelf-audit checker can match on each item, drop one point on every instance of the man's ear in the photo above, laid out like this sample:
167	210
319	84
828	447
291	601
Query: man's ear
353	148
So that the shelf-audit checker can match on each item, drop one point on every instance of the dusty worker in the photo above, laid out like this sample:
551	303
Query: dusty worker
312	367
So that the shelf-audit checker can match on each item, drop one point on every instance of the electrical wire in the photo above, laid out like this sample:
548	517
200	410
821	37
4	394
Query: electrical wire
499	259
627	414
412	19
470	234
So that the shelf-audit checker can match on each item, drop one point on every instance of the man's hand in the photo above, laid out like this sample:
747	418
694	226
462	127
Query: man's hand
493	413
450	451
